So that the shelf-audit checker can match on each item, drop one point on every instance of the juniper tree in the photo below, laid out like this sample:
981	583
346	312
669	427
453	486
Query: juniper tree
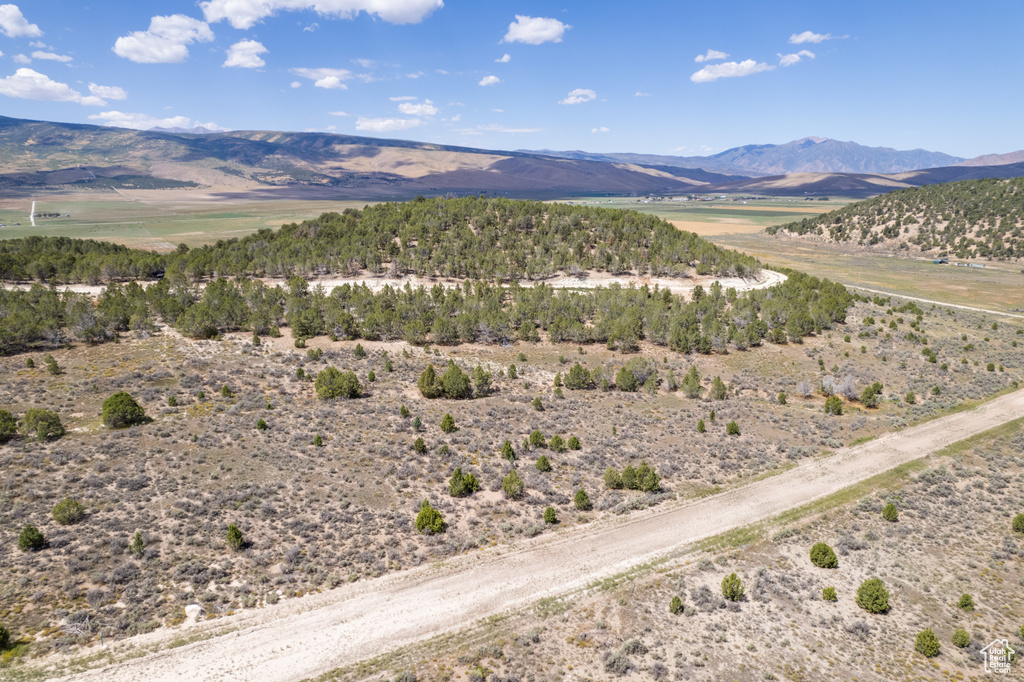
120	410
429	520
542	464
512	485
581	500
68	511
235	539
448	423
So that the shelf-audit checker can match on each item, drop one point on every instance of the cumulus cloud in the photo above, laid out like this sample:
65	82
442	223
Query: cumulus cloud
244	14
295	84
602	129
504	59
29	84
489	80
120	119
535	30
710	55
578	96
14	25
424	108
338	113
386	125
165	42
51	56
403	98
794	58
641	93
729	70
108	91
811	37
21	59
329	79
245	54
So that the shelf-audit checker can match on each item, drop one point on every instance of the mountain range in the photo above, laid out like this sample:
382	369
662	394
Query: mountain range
40	154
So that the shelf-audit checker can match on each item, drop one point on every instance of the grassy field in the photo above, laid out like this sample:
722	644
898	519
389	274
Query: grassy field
158	220
1000	286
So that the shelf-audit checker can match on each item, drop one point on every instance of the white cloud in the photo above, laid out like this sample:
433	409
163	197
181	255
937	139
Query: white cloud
791	59
729	70
602	129
29	84
425	108
245	54
535	30
365	63
166	41
108	91
39	45
51	56
489	80
21	59
338	113
456	118
1	54
578	96
385	125
403	98
244	14
414	75
640	93
495	128
811	37
14	25
312	27
710	55
504	59
329	79
295	84
120	119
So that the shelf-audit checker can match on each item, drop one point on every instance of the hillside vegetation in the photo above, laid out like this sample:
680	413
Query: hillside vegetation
969	219
488	239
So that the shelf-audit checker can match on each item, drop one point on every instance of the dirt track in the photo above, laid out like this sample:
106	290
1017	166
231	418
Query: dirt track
305	637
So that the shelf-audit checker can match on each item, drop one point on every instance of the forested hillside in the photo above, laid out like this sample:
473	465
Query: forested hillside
969	219
485	242
484	239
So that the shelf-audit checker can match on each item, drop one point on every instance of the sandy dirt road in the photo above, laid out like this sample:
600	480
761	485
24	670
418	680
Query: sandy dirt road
301	638
926	300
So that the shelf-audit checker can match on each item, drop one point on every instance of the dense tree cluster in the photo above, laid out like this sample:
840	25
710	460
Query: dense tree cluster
967	219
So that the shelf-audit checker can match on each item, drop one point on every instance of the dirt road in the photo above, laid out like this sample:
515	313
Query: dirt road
304	637
927	300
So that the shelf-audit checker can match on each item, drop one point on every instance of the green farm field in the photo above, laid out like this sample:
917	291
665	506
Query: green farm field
158	220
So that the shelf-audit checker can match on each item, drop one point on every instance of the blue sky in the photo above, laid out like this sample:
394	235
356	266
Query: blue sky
654	77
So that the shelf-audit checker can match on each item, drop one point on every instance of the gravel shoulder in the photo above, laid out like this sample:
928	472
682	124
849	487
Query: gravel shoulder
301	638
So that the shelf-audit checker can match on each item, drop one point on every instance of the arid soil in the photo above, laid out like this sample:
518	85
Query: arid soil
295	641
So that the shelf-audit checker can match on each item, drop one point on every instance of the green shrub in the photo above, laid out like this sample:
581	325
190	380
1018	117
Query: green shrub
172	401
507	452
138	546
121	410
834	405
1018	523
30	363
550	517
612	479
537	404
574	443
700	426
966	602
581	500
543	465
513	373
8	426
68	511
235	539
626	381
991	366
428	383
872	596
330	384
513	485
829	594
890	513
537	439
927	643
318	441
461	485
718	391
44	424
910	398
578	378
30	539
781	398
448	423
261	424
226	392
456	384
417	425
629	480
732	428
823	556
5	638
371	377
675	606
557	444
732	587
419	446
429	520
558	379
359	351
255	340
961	638
645	479
403	412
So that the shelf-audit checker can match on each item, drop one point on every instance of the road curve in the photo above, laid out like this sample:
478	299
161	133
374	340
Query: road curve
305	637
